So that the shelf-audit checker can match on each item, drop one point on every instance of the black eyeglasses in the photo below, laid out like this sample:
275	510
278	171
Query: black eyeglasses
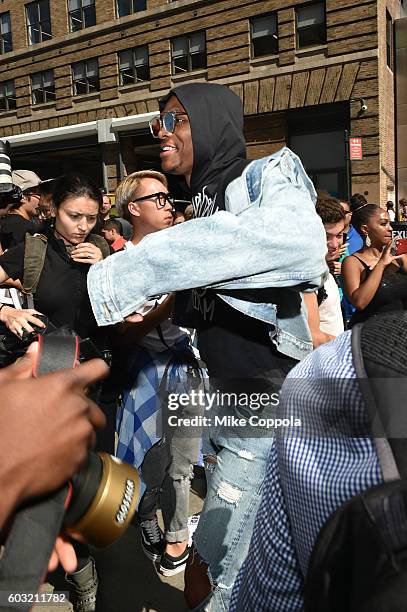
161	199
166	121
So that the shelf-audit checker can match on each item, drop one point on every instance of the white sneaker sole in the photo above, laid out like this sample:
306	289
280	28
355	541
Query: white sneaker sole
171	572
152	556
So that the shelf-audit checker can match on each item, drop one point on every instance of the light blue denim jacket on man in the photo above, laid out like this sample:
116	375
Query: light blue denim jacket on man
269	237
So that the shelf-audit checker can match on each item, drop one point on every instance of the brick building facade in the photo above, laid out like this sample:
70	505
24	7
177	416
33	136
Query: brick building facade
79	80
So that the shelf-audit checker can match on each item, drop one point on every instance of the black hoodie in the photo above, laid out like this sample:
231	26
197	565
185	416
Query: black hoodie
215	114
234	346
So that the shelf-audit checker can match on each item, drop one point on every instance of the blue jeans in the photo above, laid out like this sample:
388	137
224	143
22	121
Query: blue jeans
235	484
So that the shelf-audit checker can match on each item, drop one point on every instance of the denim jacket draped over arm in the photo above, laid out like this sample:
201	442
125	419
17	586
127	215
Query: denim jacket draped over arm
269	237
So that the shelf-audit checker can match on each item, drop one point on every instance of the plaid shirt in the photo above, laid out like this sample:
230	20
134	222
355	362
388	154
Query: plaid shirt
308	478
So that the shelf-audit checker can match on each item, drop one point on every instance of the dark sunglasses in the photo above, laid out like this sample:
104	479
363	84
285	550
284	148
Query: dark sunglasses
161	199
166	121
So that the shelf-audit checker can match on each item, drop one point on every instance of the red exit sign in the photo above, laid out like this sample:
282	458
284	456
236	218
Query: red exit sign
355	148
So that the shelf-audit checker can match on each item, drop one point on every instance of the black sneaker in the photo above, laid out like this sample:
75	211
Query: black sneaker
152	539
169	566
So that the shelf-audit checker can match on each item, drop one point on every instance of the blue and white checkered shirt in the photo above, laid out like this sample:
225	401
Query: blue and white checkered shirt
308	478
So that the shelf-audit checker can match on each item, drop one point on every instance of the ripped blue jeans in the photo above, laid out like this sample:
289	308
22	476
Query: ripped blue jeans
235	461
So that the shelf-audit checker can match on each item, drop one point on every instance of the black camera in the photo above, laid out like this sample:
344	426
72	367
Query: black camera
104	495
9	194
96	506
12	347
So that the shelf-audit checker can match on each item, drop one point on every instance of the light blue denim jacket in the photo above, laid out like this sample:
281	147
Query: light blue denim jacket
269	237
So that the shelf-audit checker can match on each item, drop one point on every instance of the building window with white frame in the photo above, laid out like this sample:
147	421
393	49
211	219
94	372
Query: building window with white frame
38	22
85	77
264	36
6	41
127	7
310	25
7	96
82	14
42	87
133	66
188	52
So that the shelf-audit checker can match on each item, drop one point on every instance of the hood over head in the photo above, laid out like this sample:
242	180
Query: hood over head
216	117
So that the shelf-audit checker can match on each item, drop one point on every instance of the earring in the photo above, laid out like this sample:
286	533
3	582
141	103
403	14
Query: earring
368	242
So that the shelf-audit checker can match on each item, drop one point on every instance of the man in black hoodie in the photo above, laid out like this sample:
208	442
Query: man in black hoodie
234	346
251	327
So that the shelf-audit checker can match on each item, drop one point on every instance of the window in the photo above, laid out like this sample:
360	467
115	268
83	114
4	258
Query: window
126	7
188	52
81	14
133	66
38	22
85	77
389	40
42	87
7	96
311	29
6	42
264	35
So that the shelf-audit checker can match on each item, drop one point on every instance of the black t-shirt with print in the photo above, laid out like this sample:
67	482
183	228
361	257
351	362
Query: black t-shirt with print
62	291
235	345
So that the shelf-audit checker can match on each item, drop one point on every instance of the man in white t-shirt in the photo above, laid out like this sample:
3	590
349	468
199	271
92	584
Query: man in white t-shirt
160	359
324	307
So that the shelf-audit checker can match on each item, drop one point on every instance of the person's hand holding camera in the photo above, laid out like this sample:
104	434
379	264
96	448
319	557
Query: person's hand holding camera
46	427
20	320
64	554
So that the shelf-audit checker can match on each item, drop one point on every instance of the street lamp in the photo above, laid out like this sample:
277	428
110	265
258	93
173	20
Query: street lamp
363	105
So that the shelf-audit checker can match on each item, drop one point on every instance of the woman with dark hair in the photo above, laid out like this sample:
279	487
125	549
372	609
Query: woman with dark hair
61	292
62	296
375	281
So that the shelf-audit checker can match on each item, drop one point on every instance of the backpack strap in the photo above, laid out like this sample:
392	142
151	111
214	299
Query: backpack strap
101	244
35	248
379	349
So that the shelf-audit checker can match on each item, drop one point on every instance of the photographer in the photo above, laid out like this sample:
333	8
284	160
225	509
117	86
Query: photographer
67	251
43	446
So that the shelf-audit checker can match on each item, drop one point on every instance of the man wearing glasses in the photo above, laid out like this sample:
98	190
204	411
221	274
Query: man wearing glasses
21	218
254	245
158	353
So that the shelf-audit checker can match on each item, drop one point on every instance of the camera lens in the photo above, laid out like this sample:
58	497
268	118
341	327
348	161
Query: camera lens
5	167
105	497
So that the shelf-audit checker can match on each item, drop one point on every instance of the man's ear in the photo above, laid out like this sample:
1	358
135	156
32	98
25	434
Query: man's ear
134	209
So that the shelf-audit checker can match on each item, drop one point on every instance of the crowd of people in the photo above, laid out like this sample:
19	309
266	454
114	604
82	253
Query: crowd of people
254	281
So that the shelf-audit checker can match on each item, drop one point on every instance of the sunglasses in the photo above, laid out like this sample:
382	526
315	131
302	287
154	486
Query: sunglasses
166	121
160	198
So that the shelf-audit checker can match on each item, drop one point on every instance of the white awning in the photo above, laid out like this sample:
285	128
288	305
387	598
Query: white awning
104	129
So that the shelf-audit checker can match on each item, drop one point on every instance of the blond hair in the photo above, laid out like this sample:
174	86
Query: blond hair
129	189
